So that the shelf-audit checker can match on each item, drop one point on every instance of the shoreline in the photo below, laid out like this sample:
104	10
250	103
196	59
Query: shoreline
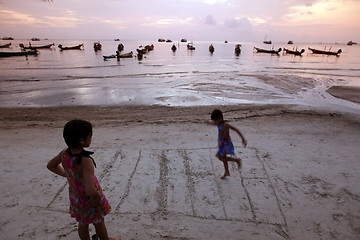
142	114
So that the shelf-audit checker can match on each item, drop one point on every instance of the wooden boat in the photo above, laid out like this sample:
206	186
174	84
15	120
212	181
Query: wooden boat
173	48
149	47
35	39
237	49
110	56
120	47
126	55
7	45
211	48
116	39
294	52
22	53
168	40
290	42
7	38
141	50
47	46
350	43
316	51
183	40
77	47
97	46
272	51
190	46
161	40
267	42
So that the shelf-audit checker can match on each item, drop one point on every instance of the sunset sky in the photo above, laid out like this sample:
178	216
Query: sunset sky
233	20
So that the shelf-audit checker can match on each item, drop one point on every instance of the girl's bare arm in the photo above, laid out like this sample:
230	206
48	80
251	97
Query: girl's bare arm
240	134
54	165
89	176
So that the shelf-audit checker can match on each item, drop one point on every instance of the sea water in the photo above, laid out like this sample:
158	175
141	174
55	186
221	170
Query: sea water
180	78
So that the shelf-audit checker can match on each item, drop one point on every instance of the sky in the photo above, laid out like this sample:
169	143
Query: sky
195	20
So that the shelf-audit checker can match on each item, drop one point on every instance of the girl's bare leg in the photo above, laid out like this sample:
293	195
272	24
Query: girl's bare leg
83	231
226	167
102	233
237	160
101	230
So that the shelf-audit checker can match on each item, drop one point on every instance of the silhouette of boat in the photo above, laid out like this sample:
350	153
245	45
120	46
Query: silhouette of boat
77	47
190	46
211	48
294	52
272	51
22	53
47	46
7	45
237	49
317	51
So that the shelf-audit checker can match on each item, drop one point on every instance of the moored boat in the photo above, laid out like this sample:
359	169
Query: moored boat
97	46
126	55
22	53
183	40
7	38
7	45
272	51
350	43
325	52
267	42
109	56
190	46
290	42
47	46
237	49
77	47
294	52
211	48
173	48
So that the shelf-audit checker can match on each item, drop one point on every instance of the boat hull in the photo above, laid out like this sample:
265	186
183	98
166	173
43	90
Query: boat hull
14	54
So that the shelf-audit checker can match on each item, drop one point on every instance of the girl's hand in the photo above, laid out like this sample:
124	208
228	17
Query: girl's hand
244	142
94	201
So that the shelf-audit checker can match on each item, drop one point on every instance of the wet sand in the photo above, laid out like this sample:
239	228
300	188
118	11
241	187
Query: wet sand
349	93
158	170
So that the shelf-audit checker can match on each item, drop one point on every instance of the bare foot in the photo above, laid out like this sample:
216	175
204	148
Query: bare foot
238	162
115	238
225	175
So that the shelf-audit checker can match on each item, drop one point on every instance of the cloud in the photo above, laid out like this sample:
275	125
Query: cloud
242	23
209	20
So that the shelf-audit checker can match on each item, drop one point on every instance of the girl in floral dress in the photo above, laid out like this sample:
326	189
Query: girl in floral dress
88	204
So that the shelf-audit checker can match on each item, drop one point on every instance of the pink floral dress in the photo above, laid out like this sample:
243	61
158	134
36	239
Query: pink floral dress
79	207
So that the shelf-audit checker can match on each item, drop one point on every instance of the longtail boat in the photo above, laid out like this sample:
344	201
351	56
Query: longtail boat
5	45
272	51
22	53
126	55
97	46
77	47
211	48
294	52
47	46
316	51
237	49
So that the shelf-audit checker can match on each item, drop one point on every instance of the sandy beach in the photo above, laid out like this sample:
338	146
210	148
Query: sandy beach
299	180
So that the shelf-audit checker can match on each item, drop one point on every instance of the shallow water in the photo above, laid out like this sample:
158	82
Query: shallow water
183	78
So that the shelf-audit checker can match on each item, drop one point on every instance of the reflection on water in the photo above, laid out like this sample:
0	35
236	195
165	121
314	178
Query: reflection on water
181	78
